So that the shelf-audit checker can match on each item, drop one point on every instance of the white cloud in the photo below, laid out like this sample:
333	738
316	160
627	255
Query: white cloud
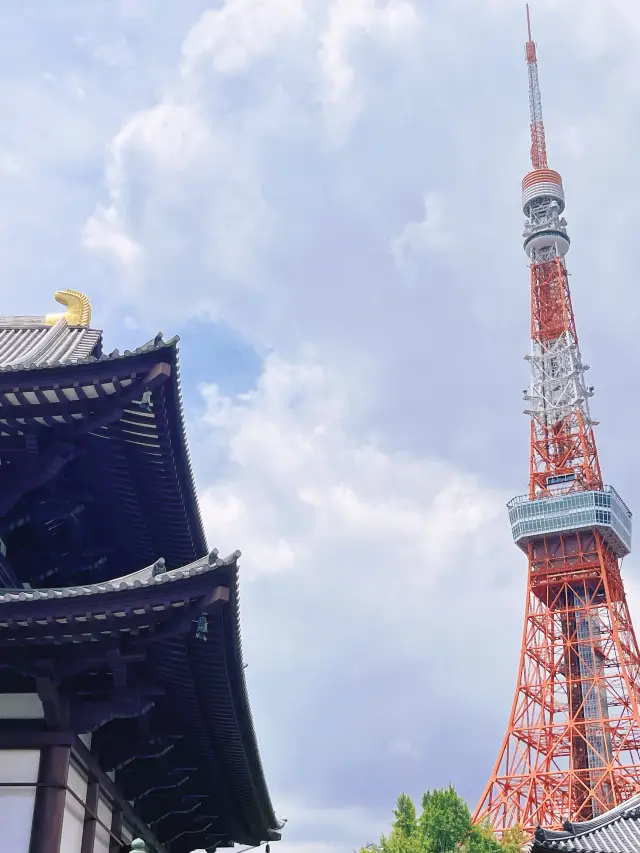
104	232
239	32
185	178
174	155
352	824
167	138
179	137
389	23
175	135
432	232
172	136
301	487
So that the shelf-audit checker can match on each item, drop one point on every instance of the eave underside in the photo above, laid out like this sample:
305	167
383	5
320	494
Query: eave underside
95	477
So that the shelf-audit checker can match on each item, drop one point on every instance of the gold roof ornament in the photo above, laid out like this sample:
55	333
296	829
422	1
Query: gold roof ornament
78	307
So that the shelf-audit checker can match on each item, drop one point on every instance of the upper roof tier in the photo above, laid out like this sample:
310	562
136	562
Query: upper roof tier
94	465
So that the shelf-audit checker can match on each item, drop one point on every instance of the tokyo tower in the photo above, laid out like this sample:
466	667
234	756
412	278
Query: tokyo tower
572	746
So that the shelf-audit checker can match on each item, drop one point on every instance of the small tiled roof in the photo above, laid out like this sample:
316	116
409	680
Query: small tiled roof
615	831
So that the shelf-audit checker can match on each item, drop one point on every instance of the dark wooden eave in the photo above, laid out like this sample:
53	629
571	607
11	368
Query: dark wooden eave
168	710
109	434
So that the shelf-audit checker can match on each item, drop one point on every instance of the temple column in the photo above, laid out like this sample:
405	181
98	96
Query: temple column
49	810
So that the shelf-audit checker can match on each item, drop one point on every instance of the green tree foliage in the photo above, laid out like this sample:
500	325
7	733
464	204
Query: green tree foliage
443	826
482	840
513	840
445	822
406	820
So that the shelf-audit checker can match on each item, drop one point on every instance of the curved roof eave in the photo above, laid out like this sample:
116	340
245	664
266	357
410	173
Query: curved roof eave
247	724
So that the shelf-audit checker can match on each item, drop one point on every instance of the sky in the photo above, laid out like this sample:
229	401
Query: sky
321	197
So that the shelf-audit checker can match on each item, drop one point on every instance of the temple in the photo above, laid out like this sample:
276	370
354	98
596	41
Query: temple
123	703
615	831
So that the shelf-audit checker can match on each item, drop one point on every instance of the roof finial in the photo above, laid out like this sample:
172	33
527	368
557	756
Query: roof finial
78	308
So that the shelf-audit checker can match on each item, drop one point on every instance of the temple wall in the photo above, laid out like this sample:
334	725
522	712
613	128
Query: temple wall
18	778
53	796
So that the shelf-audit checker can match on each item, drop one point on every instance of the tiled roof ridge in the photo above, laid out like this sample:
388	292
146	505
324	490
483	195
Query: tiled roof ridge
622	810
569	837
23	321
157	342
148	576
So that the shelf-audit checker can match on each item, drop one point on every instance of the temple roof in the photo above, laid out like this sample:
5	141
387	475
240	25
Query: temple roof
95	482
615	831
171	640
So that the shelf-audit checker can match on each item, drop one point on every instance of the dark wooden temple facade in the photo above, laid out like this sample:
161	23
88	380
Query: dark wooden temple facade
123	705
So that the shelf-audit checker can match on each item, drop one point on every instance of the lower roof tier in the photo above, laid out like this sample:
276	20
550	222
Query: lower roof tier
151	665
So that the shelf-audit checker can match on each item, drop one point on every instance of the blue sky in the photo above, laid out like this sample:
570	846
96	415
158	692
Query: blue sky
322	198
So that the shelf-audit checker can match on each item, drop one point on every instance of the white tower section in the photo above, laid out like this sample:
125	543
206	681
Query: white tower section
558	390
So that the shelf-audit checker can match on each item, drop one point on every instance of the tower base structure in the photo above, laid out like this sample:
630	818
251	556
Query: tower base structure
572	745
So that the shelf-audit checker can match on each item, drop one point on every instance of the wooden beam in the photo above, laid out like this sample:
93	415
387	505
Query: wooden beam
29	734
116	829
56	709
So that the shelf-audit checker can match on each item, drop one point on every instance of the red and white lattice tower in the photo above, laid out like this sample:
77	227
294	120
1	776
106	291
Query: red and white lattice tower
572	747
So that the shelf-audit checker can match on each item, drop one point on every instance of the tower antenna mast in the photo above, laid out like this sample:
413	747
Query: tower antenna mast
572	746
538	138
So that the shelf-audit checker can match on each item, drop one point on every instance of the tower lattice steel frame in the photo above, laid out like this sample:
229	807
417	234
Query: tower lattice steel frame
572	746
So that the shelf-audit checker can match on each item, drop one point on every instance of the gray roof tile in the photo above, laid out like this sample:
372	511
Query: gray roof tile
144	577
615	831
40	345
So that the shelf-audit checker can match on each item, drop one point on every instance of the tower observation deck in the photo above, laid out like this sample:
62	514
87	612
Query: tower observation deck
572	746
